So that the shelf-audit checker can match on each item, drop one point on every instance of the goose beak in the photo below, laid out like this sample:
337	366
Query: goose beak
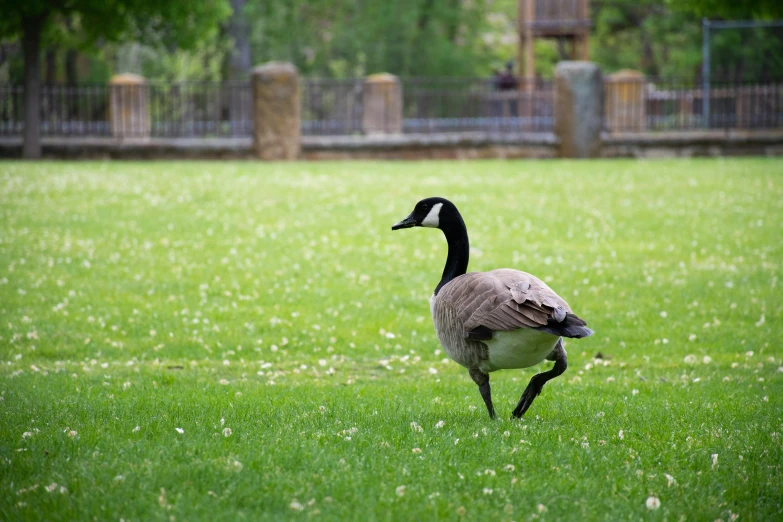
408	222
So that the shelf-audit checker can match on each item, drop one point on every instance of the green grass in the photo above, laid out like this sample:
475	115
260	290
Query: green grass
137	298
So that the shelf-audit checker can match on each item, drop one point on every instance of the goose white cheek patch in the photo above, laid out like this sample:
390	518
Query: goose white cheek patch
433	217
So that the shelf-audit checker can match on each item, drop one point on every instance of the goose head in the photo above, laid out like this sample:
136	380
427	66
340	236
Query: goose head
433	213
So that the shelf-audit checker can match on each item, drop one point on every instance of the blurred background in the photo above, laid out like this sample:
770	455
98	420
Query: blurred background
155	69
223	39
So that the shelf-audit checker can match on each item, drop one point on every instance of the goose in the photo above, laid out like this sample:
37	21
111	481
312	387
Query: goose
501	319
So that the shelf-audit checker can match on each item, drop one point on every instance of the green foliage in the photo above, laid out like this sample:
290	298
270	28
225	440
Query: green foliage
201	63
730	9
645	35
274	301
151	21
409	37
350	38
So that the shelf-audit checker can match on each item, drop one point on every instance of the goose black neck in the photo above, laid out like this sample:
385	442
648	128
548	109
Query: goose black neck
459	251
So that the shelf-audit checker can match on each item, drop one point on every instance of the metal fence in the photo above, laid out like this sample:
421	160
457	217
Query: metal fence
666	104
200	109
65	110
476	104
429	105
332	106
172	110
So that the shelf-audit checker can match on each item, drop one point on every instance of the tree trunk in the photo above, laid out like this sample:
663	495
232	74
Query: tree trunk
70	79
51	66
70	67
239	30
31	47
239	65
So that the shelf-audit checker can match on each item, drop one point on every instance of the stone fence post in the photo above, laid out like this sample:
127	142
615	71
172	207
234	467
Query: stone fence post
382	104
276	111
129	114
578	109
624	101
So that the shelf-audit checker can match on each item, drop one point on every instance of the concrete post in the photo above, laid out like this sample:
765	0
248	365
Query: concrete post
129	106
578	109
382	104
276	112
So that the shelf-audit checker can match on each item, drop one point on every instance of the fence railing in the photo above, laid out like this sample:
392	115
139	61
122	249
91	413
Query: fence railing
429	105
169	110
200	109
332	106
476	104
665	104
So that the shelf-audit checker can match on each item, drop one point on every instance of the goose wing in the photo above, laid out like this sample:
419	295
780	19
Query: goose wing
506	299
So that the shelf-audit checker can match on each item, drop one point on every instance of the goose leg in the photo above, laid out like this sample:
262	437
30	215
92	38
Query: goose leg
482	379
537	382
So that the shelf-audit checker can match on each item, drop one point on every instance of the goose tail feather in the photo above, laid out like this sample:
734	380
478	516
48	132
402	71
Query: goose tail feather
572	326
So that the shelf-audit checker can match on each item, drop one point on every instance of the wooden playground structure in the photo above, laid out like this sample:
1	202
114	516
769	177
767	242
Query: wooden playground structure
567	20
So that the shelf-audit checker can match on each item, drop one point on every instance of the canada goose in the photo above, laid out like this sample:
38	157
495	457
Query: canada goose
488	321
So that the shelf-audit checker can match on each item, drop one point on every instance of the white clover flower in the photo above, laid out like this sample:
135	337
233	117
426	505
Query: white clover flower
440	424
227	432
416	450
400	490
621	435
653	503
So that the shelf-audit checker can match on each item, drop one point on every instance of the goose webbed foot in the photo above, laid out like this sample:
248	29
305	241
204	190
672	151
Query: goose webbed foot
482	380
538	381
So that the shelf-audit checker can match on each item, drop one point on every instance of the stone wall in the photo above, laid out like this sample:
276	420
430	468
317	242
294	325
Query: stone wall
414	147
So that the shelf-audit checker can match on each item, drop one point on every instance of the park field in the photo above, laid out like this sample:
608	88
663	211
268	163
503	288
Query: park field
246	341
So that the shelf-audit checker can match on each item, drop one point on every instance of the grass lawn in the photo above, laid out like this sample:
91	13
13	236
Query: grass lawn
247	341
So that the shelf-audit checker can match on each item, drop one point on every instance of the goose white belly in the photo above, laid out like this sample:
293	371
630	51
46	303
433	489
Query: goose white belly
517	349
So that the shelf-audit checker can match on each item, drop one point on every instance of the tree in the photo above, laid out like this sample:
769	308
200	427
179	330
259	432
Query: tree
239	59
173	23
356	37
730	9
